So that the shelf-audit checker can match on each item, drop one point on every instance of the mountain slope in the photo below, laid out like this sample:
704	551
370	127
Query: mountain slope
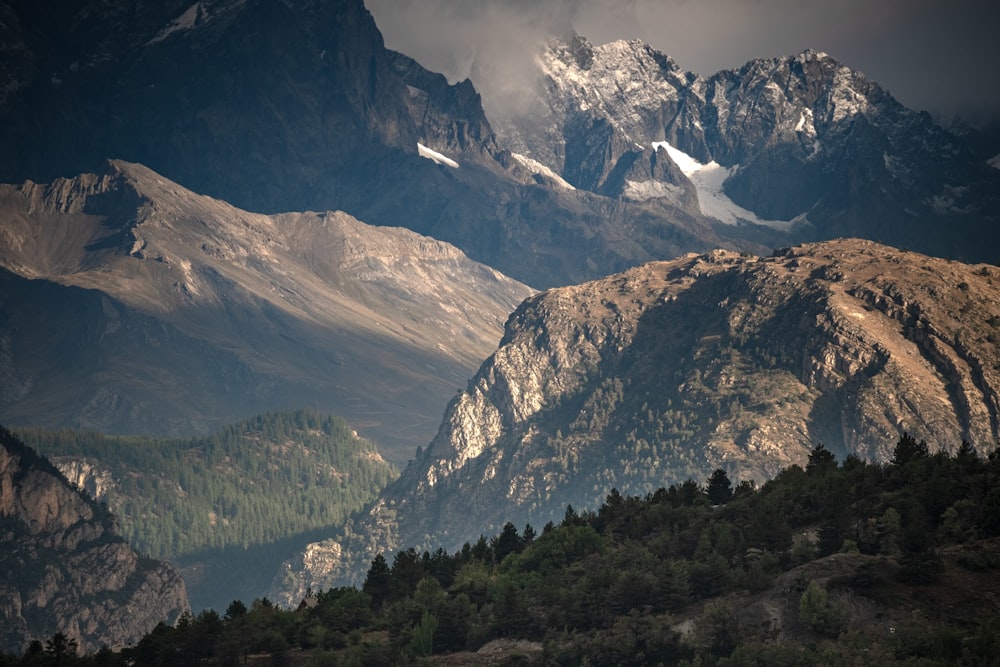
800	142
133	305
672	369
65	568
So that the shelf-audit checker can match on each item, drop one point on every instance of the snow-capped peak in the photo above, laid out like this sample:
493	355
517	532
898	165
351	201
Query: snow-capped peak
185	21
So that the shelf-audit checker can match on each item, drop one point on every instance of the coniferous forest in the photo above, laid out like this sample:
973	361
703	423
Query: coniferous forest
262	480
231	506
837	563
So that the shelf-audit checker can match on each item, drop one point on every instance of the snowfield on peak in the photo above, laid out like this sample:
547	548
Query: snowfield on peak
185	21
432	154
708	180
644	190
994	161
536	167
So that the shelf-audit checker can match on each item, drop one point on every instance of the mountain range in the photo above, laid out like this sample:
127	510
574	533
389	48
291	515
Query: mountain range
329	119
222	208
296	106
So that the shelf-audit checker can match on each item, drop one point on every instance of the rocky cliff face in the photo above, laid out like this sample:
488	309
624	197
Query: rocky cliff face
131	304
65	569
800	142
86	475
669	370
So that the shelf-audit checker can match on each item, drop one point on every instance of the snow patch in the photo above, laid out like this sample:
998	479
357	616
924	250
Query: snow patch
185	21
994	161
643	190
432	154
536	167
806	123
845	100
708	180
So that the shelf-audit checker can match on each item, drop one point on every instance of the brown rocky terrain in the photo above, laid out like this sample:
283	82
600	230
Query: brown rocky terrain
132	305
64	569
672	369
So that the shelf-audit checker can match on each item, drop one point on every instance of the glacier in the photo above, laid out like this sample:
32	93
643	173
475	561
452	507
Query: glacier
712	200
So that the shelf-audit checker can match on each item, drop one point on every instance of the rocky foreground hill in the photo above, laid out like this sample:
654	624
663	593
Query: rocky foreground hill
133	305
63	567
672	369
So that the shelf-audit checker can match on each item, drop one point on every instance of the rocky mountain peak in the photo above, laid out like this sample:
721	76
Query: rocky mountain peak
672	369
590	95
851	160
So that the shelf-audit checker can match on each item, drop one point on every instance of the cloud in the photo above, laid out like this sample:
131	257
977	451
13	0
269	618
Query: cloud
493	42
929	54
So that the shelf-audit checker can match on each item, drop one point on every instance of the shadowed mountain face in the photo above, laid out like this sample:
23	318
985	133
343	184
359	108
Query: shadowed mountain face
65	569
237	98
133	305
670	370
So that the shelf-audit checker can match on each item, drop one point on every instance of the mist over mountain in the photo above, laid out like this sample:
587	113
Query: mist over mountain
801	143
931	56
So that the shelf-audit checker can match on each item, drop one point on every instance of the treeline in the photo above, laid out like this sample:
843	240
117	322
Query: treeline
662	579
256	482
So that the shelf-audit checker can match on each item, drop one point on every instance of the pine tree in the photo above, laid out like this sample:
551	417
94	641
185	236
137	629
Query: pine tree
720	489
377	581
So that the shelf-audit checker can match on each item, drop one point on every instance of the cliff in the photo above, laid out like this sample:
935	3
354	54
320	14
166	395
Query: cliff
64	568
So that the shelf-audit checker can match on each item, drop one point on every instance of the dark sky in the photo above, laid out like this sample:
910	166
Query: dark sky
942	56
